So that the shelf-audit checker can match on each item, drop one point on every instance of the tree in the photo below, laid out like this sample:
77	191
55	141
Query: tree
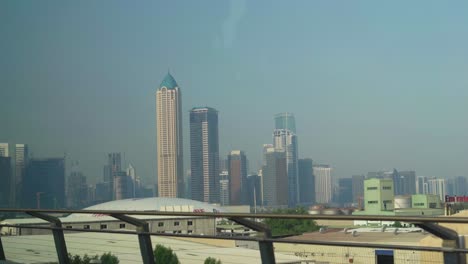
108	258
165	255
287	227
210	260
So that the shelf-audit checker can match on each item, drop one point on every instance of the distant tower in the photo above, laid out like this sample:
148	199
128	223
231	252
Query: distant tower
204	154
237	169
4	150
285	140
323	184
274	179
169	139
306	182
21	161
285	121
44	184
358	189
5	179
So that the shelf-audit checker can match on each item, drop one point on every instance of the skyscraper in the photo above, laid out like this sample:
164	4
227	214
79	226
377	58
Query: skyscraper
358	189
77	190
275	179
438	187
237	169
5	181
286	140
21	161
204	154
169	139
44	184
111	171
4	150
404	182
421	185
224	188
345	191
323	183
306	182
285	121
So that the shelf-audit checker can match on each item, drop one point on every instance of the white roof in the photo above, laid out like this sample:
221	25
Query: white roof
138	204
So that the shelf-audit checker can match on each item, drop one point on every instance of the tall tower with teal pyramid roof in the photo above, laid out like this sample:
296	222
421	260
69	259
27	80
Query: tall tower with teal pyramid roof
169	138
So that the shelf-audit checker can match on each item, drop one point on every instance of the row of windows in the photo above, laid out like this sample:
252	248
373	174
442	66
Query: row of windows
418	204
104	226
383	188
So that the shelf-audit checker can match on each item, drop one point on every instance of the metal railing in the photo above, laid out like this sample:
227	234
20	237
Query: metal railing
453	248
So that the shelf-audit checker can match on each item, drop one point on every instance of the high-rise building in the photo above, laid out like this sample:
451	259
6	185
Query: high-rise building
123	186
169	139
404	182
224	188
21	162
345	191
44	184
136	182
275	179
323	184
77	191
358	189
460	186
4	150
204	154
286	140
438	187
237	169
285	121
111	170
5	182
253	191
421	185
306	182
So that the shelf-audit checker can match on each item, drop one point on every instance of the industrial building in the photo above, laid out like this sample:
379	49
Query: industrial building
157	224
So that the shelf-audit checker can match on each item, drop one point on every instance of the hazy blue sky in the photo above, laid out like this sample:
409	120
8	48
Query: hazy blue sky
374	85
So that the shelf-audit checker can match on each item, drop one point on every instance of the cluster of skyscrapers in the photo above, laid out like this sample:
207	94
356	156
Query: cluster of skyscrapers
282	180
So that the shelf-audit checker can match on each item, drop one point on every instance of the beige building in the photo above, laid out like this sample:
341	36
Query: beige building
169	139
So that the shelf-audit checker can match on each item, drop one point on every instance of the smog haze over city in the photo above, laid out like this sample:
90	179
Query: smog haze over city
372	85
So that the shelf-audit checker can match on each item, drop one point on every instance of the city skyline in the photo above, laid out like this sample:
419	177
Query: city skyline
375	92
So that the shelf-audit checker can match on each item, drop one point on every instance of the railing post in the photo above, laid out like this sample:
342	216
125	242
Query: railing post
267	252
449	238
57	232
144	238
2	253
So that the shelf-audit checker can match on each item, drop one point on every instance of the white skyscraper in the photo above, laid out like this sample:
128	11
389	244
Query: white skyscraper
438	187
323	183
169	139
4	150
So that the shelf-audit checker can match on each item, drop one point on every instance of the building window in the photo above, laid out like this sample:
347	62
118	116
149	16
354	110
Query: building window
189	223
372	202
386	188
176	223
432	205
189	231
103	226
69	227
174	232
161	224
371	188
122	226
86	227
418	204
